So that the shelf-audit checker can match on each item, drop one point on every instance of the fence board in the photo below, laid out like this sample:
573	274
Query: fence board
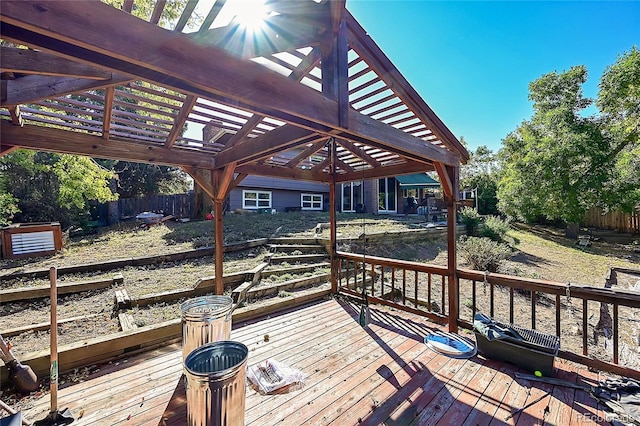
623	222
178	205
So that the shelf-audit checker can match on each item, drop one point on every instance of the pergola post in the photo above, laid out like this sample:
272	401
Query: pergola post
335	82
217	185
450	180
332	218
218	230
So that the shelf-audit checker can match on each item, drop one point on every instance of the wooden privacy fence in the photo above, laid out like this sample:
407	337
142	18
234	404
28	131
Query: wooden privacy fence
596	325
623	222
178	205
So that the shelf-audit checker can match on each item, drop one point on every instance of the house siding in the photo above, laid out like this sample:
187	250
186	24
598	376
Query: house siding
280	199
263	182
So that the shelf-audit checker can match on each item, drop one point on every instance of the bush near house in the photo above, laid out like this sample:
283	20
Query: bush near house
471	219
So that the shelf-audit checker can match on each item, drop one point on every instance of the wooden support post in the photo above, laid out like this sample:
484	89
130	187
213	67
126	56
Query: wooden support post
334	64
219	245
217	184
332	218
449	177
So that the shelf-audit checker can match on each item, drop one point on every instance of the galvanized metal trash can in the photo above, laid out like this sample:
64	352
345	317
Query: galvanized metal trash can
204	320
216	389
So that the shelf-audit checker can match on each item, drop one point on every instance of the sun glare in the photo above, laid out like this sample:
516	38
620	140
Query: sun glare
251	14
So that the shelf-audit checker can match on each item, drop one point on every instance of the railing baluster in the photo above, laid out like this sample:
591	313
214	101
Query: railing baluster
373	279
382	281
415	289
511	305
473	300
404	286
585	351
533	309
615	333
557	315
429	292
393	284
442	293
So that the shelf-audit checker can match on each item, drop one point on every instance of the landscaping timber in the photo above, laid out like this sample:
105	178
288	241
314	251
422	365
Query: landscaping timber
123	301
271	289
298	258
135	261
294	247
127	323
44	325
297	269
28	293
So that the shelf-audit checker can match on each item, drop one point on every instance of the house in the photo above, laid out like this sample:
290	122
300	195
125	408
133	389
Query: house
391	195
379	196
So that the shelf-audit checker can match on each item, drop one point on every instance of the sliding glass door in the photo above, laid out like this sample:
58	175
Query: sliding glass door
387	195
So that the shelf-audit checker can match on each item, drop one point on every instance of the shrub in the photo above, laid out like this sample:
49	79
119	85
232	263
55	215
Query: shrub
483	254
495	228
471	220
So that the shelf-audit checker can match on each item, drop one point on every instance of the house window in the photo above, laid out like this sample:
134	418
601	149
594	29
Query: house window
311	201
256	199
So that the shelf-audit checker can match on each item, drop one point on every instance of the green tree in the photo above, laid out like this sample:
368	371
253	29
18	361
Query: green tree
555	163
8	203
53	187
619	102
481	172
137	179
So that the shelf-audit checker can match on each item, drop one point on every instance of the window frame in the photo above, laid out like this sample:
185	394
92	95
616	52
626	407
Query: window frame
312	202
257	199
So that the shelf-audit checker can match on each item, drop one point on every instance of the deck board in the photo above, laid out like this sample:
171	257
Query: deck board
383	374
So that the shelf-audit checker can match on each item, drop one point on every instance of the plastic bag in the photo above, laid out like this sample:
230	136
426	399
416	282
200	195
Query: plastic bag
271	375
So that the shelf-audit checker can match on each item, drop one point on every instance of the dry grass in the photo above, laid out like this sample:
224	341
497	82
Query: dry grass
543	252
126	241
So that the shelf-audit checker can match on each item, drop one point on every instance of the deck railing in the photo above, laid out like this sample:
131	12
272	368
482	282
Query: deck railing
599	327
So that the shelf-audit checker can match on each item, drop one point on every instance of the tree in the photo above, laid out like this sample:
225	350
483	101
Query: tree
619	102
555	163
560	163
481	172
53	187
8	203
137	179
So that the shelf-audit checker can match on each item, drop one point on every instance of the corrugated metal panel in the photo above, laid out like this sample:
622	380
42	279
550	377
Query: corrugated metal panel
32	242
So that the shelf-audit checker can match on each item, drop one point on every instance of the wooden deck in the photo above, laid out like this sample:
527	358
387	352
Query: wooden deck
380	375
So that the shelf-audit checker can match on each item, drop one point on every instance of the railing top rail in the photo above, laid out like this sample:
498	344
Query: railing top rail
600	294
405	264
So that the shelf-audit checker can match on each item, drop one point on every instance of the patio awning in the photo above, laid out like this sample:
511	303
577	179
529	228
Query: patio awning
417	181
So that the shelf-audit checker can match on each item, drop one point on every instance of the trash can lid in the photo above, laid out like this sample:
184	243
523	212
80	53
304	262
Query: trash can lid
206	306
451	344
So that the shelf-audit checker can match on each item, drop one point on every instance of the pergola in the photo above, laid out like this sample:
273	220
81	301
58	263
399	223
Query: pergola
306	95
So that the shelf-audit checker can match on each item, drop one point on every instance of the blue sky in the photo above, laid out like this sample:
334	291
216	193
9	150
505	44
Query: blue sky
472	61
